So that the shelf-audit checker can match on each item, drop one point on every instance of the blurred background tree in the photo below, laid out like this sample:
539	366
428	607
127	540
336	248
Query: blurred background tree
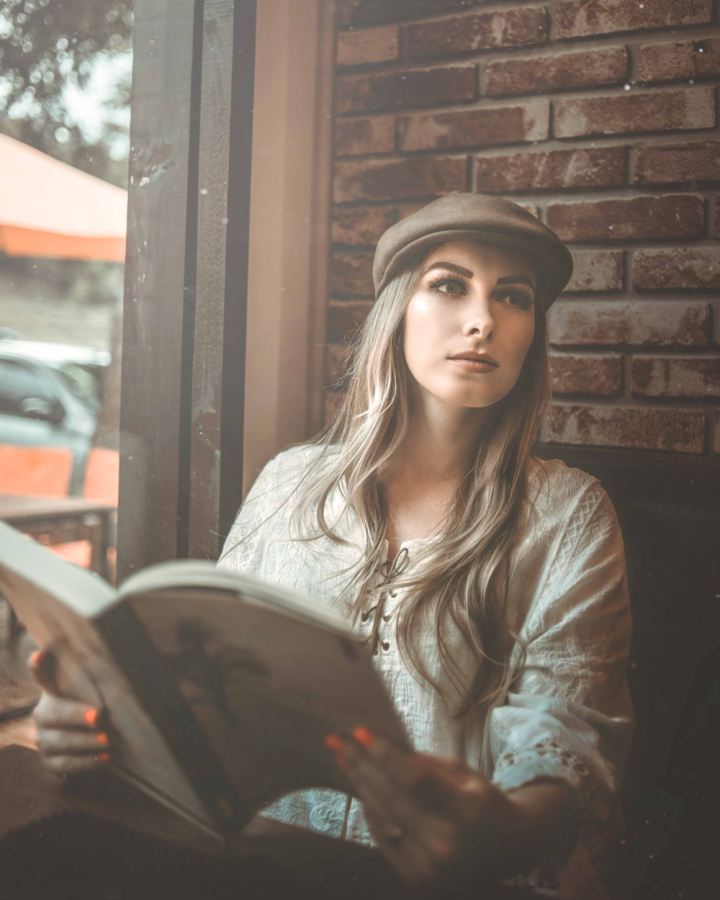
65	74
65	78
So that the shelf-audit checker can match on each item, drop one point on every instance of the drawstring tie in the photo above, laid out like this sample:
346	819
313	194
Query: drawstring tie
389	570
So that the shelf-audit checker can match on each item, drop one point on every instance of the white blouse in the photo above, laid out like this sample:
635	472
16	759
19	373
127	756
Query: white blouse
567	713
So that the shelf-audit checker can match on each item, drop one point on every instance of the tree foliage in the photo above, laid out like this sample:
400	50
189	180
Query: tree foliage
48	46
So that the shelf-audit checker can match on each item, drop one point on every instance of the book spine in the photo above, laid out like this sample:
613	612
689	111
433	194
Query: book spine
157	690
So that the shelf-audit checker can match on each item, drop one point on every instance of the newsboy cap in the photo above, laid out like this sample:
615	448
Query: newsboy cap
480	217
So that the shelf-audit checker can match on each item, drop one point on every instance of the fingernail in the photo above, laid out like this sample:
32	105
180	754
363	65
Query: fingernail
103	739
334	742
103	757
364	736
34	658
91	717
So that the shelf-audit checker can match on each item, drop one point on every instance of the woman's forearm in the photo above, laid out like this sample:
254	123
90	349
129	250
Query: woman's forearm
548	817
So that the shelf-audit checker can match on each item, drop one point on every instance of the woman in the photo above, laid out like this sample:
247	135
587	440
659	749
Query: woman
490	586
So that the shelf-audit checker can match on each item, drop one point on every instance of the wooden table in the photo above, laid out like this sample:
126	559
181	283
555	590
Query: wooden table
62	520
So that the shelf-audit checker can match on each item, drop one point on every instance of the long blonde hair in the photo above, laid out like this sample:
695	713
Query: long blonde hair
463	581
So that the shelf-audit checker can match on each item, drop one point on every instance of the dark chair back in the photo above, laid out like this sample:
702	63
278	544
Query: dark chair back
669	512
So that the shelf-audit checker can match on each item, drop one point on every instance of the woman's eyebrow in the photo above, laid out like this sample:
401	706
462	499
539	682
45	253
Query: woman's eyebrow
516	279
452	266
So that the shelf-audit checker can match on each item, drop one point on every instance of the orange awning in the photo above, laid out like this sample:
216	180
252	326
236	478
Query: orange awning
48	208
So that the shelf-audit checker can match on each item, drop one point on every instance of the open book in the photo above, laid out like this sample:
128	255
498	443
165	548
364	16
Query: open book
219	687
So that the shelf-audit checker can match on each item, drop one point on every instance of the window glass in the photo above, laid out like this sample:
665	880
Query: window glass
65	77
19	387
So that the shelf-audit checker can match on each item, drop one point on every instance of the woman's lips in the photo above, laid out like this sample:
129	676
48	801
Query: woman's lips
470	364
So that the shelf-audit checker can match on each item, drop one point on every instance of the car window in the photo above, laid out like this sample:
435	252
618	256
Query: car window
17	383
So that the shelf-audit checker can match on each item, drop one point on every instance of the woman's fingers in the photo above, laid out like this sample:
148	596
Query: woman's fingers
396	849
429	779
65	742
59	712
377	786
72	765
42	667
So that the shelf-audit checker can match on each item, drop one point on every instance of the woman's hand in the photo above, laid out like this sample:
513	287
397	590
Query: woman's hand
434	816
70	734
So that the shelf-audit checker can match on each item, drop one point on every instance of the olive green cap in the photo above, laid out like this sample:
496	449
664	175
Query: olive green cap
480	217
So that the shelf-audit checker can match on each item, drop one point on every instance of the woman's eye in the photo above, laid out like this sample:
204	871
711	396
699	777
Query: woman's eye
517	298
448	286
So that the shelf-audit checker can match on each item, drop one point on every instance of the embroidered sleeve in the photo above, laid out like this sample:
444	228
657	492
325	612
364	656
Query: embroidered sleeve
568	714
245	539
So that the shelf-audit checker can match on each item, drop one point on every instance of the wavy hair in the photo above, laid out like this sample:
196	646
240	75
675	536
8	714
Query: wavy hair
463	581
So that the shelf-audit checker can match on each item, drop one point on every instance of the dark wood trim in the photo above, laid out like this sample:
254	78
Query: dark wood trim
150	408
225	150
322	210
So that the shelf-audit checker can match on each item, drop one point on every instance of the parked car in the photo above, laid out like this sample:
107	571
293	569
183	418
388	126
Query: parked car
50	395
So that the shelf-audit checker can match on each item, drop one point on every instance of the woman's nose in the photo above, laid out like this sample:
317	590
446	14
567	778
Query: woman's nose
480	321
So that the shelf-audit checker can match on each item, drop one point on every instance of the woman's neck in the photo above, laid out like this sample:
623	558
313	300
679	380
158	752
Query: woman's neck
422	477
438	443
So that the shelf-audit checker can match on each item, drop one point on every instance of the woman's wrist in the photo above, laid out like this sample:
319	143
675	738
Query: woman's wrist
544	822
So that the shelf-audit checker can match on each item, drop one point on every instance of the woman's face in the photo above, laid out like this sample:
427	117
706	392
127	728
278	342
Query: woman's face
470	323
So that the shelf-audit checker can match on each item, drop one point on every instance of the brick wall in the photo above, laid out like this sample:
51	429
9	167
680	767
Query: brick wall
600	116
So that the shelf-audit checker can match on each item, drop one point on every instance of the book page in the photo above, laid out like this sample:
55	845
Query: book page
267	687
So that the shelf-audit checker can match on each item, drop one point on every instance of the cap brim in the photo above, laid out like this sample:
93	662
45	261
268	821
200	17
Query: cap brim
554	261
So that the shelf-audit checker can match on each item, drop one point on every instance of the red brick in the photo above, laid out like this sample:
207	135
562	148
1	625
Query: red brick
550	169
406	88
679	110
559	71
675	430
361	225
407	178
344	319
336	363
677	268
649	218
596	271
633	323
584	18
667	163
514	124
482	31
373	135
351	273
679	59
372	45
360	13
676	376
589	373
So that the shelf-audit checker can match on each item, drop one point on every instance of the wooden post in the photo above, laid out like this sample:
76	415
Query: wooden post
183	344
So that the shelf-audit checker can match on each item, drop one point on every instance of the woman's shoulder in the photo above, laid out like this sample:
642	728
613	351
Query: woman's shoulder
286	471
291	464
556	488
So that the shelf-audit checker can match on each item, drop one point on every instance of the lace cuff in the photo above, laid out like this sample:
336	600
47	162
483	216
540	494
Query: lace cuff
547	759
